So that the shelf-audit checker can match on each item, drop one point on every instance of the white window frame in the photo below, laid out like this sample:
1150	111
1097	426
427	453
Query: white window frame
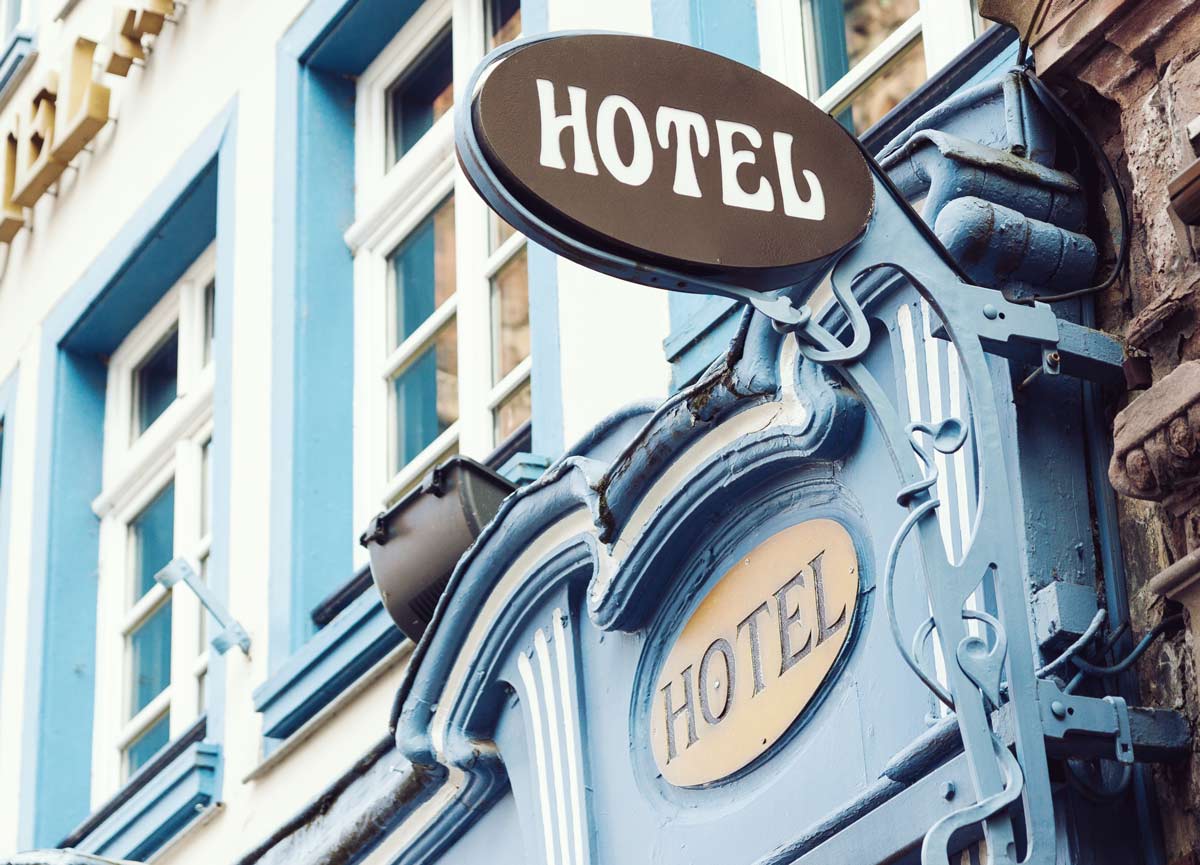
136	468
389	203
947	27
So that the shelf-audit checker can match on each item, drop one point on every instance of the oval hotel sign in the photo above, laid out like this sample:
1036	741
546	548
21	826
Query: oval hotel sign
670	159
754	654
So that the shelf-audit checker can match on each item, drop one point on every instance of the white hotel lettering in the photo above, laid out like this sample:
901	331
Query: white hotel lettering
738	144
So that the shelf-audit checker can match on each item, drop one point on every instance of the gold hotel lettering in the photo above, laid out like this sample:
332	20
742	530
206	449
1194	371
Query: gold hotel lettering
68	109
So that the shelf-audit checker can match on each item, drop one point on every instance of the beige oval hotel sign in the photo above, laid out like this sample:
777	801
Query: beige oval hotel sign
754	653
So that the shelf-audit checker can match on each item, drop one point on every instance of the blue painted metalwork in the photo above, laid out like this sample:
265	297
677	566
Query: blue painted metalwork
702	326
535	669
176	223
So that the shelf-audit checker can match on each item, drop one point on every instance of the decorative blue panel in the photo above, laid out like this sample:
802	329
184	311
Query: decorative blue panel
890	407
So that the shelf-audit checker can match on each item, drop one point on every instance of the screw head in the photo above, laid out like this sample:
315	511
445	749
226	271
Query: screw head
990	312
1058	710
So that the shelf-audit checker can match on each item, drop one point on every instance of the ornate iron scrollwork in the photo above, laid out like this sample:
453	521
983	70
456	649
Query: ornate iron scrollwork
980	673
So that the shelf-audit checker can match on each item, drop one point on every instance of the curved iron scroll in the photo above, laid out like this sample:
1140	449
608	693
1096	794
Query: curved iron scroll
897	248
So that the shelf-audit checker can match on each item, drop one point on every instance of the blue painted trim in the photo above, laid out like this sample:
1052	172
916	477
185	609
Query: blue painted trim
283	341
8	396
342	651
313	316
15	59
116	290
701	325
726	27
172	799
546	378
311	435
524	468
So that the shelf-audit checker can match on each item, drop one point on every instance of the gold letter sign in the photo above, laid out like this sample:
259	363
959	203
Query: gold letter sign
754	653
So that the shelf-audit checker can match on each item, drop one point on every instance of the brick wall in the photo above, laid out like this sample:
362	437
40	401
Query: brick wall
1131	68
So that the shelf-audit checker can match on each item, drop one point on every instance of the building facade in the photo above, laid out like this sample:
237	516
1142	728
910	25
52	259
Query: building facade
249	300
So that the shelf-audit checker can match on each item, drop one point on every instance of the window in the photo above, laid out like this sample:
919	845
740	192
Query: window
152	655
861	57
441	286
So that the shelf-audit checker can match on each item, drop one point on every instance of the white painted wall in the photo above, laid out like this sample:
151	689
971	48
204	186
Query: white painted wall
221	50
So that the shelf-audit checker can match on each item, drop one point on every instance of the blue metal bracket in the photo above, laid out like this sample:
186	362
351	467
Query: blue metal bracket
1032	334
231	633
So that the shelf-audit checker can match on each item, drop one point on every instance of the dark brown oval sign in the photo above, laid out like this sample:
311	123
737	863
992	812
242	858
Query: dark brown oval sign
669	156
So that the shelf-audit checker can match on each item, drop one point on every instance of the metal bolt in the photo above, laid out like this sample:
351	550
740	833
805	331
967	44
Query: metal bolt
948	790
1053	358
990	312
1058	710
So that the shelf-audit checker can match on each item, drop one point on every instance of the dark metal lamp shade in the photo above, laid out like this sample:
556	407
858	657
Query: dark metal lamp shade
415	544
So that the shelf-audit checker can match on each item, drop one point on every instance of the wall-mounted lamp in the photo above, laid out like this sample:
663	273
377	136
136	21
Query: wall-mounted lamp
231	633
415	545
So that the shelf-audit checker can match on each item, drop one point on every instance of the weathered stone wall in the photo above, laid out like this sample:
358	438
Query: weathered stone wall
1131	68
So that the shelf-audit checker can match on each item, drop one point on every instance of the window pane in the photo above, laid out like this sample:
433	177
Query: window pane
203	626
505	21
150	743
210	319
421	96
153	533
150	650
155	382
904	75
426	395
510	315
498	230
423	270
206	488
847	30
512	412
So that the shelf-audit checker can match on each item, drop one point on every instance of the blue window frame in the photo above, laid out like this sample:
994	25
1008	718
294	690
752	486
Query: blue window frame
176	223
330	44
422	96
156	382
17	44
325	631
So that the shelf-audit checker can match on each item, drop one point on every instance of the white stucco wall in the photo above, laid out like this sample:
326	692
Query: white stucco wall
223	50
